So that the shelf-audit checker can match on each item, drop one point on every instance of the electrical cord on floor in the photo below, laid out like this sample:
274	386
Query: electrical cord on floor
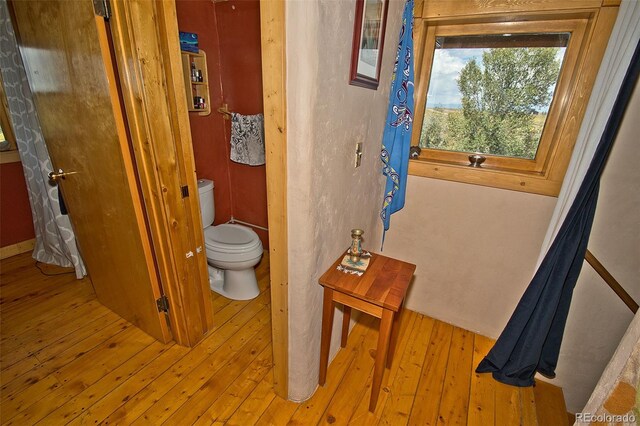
48	274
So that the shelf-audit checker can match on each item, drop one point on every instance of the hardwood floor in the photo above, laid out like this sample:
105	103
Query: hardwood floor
66	359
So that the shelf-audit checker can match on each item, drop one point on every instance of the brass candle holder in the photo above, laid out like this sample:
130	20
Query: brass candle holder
355	251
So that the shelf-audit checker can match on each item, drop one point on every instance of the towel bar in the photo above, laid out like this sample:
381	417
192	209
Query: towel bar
224	110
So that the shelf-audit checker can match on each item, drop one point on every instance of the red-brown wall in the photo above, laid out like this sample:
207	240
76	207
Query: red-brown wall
207	132
241	70
229	33
16	223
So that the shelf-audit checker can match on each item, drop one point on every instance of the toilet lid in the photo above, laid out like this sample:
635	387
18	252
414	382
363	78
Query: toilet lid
230	237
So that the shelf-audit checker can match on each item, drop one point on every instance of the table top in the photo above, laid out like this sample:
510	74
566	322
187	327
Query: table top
384	283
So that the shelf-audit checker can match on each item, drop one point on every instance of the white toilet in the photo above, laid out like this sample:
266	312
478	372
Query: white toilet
232	251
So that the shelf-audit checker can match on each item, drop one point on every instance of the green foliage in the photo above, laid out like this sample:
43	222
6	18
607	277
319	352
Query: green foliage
500	104
435	129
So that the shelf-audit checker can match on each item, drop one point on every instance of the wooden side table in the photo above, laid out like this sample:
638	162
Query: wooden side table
379	292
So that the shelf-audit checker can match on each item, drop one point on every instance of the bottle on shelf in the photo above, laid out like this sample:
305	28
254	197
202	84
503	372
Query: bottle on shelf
194	72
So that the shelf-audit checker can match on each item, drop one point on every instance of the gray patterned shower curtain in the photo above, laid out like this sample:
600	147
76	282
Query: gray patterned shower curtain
55	239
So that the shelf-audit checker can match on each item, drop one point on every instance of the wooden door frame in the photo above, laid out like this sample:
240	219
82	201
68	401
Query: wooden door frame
273	34
145	40
149	67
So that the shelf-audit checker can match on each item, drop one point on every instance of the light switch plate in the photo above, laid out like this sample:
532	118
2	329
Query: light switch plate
358	155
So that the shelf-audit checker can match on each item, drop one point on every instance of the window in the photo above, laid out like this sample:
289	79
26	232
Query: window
510	89
8	149
5	144
490	94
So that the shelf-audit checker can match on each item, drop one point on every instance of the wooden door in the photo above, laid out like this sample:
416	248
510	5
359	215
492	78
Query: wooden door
67	58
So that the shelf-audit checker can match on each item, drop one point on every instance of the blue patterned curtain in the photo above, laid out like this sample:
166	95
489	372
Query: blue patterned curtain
55	239
396	138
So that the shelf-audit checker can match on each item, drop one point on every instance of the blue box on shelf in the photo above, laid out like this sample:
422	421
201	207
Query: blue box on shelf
189	42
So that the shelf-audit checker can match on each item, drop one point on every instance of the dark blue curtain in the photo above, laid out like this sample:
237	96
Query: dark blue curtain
531	340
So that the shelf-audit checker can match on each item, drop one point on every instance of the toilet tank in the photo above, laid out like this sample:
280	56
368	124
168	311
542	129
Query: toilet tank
207	208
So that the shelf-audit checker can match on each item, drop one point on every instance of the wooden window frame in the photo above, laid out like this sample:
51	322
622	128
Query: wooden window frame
590	30
547	140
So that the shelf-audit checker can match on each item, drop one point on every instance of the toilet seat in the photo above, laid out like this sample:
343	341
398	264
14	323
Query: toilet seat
231	237
232	243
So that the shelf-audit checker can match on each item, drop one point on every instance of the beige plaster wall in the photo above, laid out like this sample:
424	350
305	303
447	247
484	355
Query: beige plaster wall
327	196
475	249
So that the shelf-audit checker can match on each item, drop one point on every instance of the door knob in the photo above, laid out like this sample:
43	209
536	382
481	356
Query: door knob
60	174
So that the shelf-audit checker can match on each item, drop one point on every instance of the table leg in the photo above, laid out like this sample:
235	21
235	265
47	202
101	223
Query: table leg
327	325
386	323
394	336
346	317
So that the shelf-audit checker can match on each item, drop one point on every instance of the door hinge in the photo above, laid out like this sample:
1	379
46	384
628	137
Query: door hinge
102	8
185	191
163	304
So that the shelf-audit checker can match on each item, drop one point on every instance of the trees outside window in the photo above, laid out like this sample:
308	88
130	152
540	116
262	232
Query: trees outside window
504	98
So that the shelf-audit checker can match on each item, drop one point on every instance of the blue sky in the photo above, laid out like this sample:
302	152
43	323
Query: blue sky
447	64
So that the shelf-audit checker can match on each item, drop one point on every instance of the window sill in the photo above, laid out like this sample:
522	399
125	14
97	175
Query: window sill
534	183
9	157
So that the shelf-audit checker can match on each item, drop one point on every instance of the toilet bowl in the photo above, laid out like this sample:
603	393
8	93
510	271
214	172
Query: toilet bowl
232	251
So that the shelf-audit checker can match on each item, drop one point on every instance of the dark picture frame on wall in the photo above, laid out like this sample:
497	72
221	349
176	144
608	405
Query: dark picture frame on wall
368	42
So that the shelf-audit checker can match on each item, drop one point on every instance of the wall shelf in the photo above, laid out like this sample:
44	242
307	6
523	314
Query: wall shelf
196	89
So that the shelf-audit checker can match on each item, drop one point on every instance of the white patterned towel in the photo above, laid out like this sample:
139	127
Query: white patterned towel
247	139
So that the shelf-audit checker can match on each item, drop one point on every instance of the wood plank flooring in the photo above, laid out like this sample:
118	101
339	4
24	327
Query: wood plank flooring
66	359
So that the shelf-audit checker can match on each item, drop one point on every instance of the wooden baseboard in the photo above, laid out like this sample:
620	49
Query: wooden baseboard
17	248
